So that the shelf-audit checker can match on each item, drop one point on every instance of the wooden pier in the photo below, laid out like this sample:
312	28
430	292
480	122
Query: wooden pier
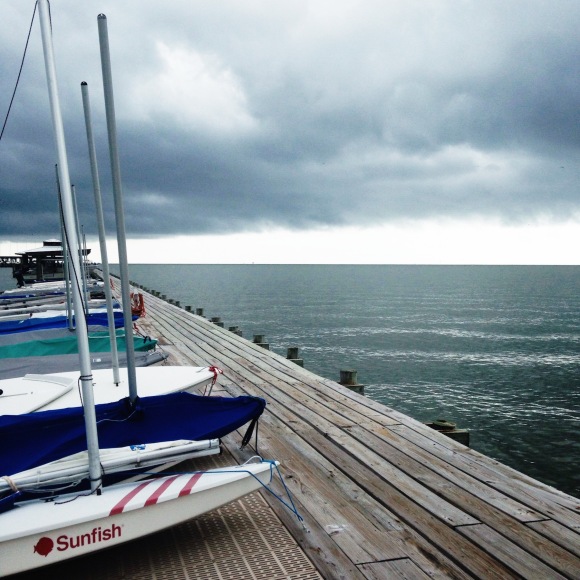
381	495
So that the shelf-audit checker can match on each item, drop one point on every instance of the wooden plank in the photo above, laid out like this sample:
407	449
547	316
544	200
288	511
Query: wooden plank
520	561
423	459
536	496
552	554
276	367
283	392
558	534
395	470
404	568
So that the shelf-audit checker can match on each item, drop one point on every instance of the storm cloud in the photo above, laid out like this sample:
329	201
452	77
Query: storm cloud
236	116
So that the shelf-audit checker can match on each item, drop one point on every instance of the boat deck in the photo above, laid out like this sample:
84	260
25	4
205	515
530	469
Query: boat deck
380	494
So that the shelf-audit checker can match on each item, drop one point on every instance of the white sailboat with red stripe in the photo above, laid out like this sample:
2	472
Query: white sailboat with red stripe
38	533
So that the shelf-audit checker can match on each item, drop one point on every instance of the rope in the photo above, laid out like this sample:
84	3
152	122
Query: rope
96	491
216	371
290	506
19	73
10	482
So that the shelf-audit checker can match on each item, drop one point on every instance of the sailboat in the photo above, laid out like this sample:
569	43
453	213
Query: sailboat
157	431
50	391
41	533
37	532
54	319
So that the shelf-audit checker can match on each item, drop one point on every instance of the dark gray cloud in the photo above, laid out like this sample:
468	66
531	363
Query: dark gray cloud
237	115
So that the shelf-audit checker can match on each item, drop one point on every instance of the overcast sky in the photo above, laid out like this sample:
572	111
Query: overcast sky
308	130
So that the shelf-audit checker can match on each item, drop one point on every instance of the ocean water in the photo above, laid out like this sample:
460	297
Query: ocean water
495	349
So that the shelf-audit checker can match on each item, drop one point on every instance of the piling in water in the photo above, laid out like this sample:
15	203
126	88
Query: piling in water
259	340
448	428
348	379
292	355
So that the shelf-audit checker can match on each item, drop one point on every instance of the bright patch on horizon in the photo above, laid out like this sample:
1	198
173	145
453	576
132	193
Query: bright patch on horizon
443	241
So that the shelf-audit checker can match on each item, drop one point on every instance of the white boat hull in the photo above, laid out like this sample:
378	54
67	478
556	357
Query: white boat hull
20	312
40	533
59	390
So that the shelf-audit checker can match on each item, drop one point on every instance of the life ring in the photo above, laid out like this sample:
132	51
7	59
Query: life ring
137	304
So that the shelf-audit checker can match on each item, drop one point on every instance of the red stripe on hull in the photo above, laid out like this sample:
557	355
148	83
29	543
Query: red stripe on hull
189	485
154	497
124	501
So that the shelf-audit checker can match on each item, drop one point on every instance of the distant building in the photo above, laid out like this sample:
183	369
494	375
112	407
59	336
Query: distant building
42	264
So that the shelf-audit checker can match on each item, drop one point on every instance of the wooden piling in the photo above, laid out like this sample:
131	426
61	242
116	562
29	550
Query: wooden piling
259	340
348	379
448	428
292	354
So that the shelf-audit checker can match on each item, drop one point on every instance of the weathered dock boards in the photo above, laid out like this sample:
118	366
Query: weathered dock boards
382	495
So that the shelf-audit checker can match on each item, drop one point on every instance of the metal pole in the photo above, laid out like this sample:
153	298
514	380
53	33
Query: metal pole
102	235
80	250
86	377
69	307
119	212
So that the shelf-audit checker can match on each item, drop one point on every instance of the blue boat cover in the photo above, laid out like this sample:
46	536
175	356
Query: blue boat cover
34	439
37	323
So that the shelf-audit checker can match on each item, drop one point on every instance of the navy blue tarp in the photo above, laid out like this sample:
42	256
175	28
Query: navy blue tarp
30	440
44	322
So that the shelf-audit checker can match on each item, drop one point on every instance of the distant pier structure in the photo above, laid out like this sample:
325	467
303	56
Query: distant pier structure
9	261
42	264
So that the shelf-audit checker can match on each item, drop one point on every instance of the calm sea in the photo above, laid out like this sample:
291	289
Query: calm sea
495	349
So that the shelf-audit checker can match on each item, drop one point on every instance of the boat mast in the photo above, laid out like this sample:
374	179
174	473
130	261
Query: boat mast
102	235
65	263
80	249
72	241
119	212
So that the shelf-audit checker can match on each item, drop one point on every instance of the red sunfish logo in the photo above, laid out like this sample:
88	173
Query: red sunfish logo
44	546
